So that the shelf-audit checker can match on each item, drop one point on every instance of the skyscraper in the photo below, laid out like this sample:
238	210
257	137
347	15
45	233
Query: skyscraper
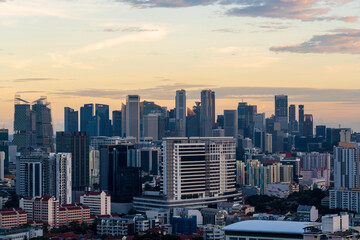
207	113
301	120
86	115
44	128
180	108
102	112
133	116
76	143
193	121
71	120
246	119
116	123
24	125
230	123
308	125
117	176
281	111
293	124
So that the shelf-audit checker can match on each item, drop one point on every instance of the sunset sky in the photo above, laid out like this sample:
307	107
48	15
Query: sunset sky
98	51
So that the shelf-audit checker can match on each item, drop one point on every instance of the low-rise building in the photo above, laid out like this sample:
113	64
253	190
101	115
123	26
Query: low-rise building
261	229
73	212
307	213
12	217
214	216
99	202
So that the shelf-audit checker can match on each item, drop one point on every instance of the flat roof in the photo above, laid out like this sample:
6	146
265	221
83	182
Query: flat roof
265	226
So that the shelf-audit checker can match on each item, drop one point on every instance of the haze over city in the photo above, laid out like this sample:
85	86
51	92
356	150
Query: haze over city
77	52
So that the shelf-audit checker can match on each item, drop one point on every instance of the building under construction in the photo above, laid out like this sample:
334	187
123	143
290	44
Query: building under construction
32	125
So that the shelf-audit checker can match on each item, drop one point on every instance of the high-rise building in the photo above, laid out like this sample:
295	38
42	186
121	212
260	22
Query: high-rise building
281	111
24	125
59	175
198	167
44	128
149	158
118	175
230	123
293	124
207	113
346	194
76	143
71	120
133	116
321	131
44	174
102	112
33	128
301	120
151	126
260	121
116	123
246	119
180	108
193	121
308	125
2	165
86	115
123	120
30	175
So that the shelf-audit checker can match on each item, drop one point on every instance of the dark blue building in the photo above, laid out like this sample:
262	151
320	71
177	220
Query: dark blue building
184	225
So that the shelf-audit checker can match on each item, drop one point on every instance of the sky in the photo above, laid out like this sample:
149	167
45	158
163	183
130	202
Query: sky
98	51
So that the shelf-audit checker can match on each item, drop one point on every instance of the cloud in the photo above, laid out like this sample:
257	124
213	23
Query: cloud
227	30
339	41
143	36
305	10
131	29
169	3
22	80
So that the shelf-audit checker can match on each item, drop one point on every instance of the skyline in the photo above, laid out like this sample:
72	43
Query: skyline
101	51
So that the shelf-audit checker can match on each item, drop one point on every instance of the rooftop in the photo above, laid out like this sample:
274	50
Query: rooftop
283	227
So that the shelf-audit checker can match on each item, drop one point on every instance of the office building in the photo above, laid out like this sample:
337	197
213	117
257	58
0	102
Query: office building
295	162
230	123
308	126
102	114
180	108
133	116
207	113
183	225
260	121
86	115
98	202
117	123
76	143
149	159
71	120
33	127
119	175
151	126
293	123
321	131
246	120
193	121
301	120
2	165
281	111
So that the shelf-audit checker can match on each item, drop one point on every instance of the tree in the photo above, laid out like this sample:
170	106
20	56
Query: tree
46	227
